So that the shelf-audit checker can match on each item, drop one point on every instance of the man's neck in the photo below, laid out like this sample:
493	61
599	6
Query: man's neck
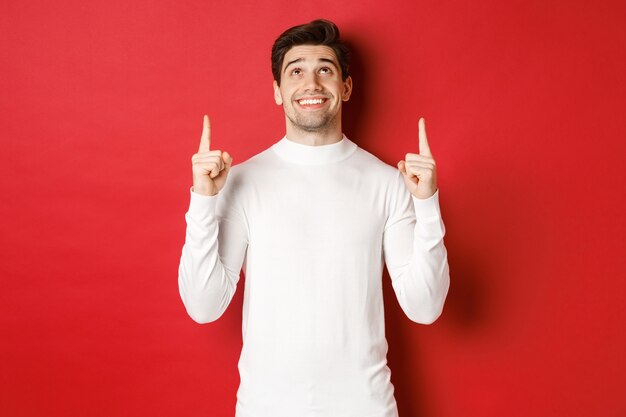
317	138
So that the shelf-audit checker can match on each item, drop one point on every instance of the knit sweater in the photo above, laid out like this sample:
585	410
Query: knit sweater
312	227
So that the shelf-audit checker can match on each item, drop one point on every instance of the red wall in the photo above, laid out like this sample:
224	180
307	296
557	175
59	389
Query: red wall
101	110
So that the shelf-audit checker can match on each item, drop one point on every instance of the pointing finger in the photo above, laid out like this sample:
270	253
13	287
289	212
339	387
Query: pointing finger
205	138
423	141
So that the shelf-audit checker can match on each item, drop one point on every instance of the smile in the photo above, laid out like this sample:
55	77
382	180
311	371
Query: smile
312	103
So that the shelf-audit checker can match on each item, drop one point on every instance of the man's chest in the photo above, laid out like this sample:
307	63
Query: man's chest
318	212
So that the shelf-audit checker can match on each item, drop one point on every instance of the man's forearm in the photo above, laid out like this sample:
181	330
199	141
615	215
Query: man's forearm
206	286
417	260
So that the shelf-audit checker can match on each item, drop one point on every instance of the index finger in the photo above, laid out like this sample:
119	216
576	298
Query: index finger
205	138
423	140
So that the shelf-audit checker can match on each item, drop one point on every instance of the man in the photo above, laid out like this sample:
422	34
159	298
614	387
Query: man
311	221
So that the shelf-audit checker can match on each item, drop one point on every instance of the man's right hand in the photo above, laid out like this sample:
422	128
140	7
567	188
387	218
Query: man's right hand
210	168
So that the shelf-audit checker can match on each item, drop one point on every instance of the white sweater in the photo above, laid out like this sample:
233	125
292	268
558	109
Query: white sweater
311	226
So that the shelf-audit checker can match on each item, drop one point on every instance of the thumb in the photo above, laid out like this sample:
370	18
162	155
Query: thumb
228	160
402	167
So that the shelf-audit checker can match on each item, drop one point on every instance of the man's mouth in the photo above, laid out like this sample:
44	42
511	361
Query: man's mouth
312	102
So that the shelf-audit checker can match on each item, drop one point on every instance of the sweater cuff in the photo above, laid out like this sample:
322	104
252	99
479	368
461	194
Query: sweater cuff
201	206
427	207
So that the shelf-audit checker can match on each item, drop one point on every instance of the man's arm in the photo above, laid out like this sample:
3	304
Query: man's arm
413	245
415	255
216	237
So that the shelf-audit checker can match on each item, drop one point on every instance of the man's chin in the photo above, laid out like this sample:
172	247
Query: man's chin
310	128
309	125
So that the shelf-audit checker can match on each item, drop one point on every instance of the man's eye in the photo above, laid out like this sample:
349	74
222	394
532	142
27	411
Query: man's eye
325	70
296	71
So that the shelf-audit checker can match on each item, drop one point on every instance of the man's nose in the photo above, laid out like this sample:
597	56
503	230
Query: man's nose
312	83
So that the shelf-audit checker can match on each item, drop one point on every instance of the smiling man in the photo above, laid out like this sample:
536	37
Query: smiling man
312	221
311	87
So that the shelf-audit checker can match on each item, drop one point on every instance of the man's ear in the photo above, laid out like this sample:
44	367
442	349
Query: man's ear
347	89
278	98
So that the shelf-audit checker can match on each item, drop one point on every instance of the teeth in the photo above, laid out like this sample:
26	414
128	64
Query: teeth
311	101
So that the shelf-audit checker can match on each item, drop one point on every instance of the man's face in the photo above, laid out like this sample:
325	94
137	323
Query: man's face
311	90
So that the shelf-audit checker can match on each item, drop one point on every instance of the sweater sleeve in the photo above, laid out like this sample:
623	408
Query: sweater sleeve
415	254
216	240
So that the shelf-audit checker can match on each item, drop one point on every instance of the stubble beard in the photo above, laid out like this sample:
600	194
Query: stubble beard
312	122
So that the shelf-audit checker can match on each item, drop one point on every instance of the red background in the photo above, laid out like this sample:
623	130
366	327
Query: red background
101	110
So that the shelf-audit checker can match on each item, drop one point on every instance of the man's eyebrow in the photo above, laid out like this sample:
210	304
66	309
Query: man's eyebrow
292	62
330	61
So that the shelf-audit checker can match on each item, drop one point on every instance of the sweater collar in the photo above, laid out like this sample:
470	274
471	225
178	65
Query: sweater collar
314	155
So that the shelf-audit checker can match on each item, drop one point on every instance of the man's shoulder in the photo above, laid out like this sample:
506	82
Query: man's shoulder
243	175
253	162
373	163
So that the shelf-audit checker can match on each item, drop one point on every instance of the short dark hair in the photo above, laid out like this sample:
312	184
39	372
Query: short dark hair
318	32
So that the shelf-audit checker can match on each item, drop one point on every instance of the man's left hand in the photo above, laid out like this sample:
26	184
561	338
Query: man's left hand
419	170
